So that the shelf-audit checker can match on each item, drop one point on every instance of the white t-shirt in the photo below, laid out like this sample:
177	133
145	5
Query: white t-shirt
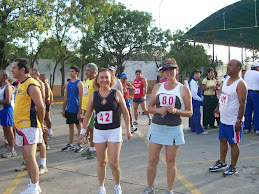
252	80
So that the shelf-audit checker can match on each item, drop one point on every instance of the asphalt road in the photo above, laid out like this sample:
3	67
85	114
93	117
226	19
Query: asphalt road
71	173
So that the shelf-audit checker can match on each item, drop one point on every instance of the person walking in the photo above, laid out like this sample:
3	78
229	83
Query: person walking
231	107
28	120
169	102
107	130
195	120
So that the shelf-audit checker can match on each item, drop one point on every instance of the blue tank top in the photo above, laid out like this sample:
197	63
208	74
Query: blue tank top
72	97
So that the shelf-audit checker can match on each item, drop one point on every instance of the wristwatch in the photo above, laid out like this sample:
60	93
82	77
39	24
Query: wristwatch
238	121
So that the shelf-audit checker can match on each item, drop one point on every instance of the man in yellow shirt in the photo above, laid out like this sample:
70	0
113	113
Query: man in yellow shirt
28	119
91	70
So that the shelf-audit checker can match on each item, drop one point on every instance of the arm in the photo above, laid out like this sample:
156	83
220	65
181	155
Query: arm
145	84
242	94
80	91
125	113
152	103
64	104
42	90
187	99
46	91
8	95
87	118
194	90
130	86
120	86
36	96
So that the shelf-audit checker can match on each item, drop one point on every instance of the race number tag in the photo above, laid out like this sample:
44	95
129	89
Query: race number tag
137	91
224	99
104	117
167	100
86	89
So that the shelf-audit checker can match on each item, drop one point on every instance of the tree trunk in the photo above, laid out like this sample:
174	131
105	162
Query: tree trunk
62	69
82	72
53	75
3	61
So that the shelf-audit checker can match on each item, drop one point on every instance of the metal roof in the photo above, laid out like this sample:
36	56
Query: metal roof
234	25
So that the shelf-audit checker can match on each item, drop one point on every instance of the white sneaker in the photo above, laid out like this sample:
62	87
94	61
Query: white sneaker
135	123
42	170
117	189
50	133
247	131
257	132
133	128
21	167
204	133
30	190
102	190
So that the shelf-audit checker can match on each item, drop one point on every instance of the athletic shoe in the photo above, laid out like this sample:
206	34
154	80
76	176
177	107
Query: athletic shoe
79	148
30	190
133	128
9	154
135	123
204	133
231	170
148	191
50	133
21	167
117	189
247	131
84	154
218	165
68	147
91	155
205	126
169	192
149	121
257	132
47	146
102	190
42	170
143	113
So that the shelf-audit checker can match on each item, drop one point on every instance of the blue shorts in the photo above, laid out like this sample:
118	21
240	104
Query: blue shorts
166	135
128	102
138	100
228	132
6	117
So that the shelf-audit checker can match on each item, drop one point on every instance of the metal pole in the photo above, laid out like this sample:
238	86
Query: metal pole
228	50
161	54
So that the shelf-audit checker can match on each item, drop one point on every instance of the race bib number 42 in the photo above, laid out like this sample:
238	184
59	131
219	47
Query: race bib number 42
224	99
167	100
104	117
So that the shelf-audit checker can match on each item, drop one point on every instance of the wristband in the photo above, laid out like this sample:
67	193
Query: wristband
83	131
174	111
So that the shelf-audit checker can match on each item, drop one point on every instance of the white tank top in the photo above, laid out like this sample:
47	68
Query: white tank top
2	91
228	103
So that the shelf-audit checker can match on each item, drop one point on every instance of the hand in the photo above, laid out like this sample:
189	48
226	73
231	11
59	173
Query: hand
79	116
63	113
238	126
129	135
171	109
81	139
143	99
214	87
43	127
162	111
216	113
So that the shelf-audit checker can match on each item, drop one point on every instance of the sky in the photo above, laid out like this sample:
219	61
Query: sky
180	14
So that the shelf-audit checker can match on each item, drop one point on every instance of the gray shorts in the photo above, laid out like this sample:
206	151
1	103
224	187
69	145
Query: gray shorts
166	135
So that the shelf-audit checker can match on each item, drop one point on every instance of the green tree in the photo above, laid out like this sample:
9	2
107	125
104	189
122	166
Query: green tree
17	18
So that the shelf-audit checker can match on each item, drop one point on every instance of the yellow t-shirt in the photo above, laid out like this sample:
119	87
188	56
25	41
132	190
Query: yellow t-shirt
209	83
88	89
25	114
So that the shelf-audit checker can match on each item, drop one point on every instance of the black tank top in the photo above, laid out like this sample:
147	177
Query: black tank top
107	111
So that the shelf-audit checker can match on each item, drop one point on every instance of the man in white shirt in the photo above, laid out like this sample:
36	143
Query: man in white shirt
252	105
195	120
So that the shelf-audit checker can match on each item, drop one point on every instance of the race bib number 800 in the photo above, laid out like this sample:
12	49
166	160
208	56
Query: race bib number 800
104	117
167	100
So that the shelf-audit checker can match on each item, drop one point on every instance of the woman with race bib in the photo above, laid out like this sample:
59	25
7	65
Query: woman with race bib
107	130
169	102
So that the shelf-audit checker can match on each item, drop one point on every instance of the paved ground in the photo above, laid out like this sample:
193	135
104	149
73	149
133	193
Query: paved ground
70	173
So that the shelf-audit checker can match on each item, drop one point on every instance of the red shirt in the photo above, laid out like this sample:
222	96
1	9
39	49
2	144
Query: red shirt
139	88
126	92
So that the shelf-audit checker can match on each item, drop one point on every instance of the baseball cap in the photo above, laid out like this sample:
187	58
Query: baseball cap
124	75
255	64
112	68
158	69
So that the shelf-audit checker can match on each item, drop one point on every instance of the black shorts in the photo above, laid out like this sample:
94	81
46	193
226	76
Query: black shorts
71	118
138	100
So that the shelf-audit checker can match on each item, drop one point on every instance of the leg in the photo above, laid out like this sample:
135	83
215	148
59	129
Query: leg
234	153
205	112
78	126
71	133
129	110
8	131
143	106
248	112
42	147
136	105
223	149
255	101
153	159
91	136
29	155
196	117
48	119
171	153
101	150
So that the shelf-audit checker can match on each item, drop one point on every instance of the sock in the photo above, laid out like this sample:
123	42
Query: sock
11	149
43	162
34	186
30	182
6	141
91	149
136	120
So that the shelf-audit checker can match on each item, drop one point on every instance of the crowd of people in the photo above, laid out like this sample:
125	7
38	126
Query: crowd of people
95	106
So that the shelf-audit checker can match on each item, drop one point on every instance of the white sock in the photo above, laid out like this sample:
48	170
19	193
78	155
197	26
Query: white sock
6	141
136	120
91	148
43	162
11	149
34	186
